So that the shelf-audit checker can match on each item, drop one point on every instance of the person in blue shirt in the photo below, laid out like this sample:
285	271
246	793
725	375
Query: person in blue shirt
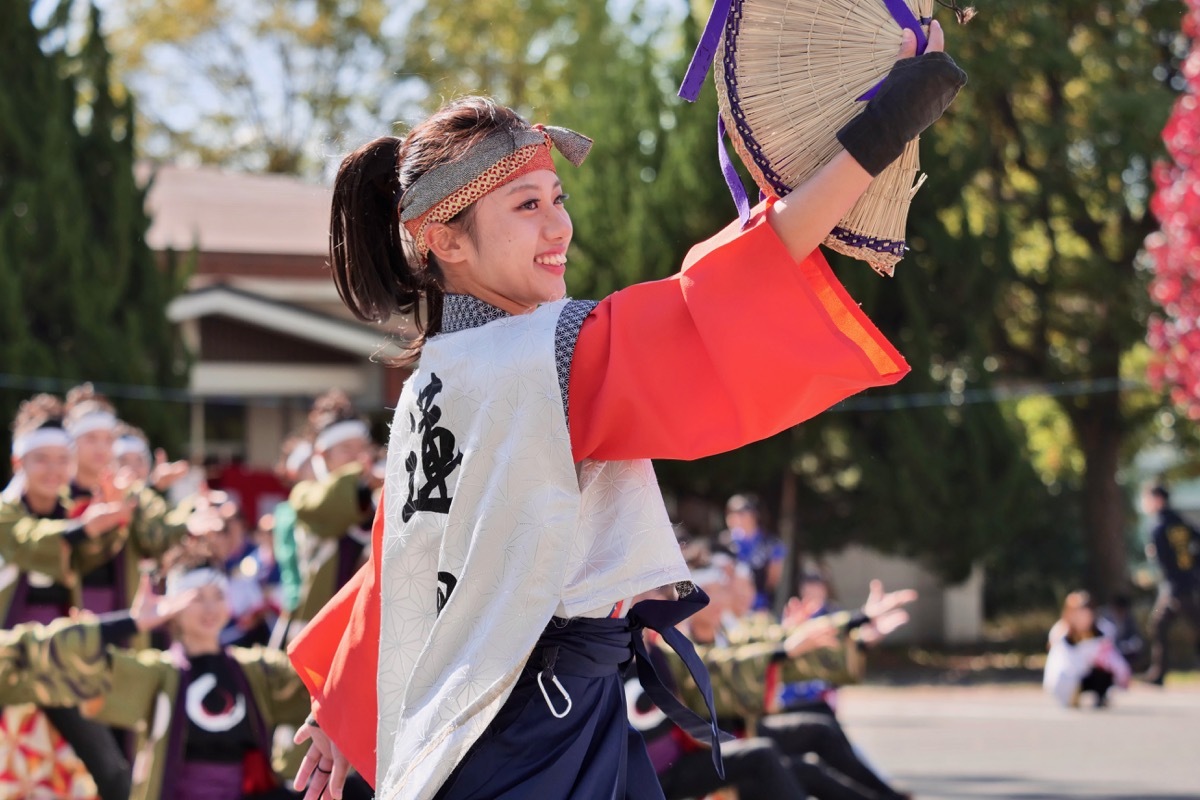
745	540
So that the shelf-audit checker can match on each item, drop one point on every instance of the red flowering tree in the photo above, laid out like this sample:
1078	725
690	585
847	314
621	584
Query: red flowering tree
1174	334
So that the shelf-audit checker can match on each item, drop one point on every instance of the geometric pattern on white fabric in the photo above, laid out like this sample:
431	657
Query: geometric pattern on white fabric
463	311
566	334
528	535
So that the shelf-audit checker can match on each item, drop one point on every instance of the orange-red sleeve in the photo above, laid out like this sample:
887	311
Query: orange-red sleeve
741	344
337	657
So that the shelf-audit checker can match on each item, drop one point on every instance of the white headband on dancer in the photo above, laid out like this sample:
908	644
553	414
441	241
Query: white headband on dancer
298	457
130	445
340	432
95	421
181	581
708	576
26	443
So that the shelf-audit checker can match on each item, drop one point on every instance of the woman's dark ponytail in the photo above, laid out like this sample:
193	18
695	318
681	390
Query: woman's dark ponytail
365	251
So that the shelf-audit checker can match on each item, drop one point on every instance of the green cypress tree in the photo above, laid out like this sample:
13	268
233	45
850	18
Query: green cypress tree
42	245
82	295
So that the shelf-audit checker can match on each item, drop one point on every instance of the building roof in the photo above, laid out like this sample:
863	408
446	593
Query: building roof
302	323
232	212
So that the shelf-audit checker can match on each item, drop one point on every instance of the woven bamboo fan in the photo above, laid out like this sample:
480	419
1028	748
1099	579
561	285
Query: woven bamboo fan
789	74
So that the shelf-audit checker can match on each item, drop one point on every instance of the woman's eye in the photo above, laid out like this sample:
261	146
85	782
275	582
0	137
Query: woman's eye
562	198
530	205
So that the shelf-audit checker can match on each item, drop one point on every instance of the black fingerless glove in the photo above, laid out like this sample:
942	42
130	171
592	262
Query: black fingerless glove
910	99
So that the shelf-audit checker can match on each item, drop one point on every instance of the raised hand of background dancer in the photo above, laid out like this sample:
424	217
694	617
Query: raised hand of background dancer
150	610
811	638
881	626
798	611
113	487
324	766
878	603
166	474
205	519
100	518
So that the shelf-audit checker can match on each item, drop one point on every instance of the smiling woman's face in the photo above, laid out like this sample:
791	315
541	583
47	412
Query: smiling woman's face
47	470
206	615
513	251
94	452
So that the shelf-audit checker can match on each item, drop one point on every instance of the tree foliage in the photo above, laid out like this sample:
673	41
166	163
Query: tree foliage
83	296
270	84
1052	203
1174	334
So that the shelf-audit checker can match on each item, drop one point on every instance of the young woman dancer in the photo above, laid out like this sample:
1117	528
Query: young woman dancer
520	513
153	525
44	549
334	508
205	714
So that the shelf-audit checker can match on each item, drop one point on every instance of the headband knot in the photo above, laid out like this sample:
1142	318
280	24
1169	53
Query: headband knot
574	146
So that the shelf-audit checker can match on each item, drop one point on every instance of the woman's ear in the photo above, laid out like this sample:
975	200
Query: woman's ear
449	244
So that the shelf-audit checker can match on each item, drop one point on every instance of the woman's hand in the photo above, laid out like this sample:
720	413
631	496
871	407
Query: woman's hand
810	638
911	98
913	95
798	611
880	603
100	518
324	766
150	610
882	626
205	519
936	41
167	473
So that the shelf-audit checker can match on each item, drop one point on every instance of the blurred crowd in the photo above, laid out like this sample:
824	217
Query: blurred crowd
147	618
775	677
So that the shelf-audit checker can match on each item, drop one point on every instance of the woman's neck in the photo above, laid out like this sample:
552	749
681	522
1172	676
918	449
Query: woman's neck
492	298
86	480
41	504
200	645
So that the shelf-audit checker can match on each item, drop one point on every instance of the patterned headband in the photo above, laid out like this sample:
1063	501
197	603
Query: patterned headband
442	193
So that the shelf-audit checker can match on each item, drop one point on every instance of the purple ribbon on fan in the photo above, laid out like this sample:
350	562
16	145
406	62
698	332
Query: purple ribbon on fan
706	53
906	19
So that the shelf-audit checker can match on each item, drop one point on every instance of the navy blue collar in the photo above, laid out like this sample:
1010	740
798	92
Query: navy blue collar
461	312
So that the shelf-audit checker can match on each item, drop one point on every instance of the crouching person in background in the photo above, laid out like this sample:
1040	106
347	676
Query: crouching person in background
1083	655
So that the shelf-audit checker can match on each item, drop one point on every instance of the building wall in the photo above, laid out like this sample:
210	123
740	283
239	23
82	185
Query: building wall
232	340
942	614
265	432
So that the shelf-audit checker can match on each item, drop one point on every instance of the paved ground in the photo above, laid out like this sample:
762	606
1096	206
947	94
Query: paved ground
1013	742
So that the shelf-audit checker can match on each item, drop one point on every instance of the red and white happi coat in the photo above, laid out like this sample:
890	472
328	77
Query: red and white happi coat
494	508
